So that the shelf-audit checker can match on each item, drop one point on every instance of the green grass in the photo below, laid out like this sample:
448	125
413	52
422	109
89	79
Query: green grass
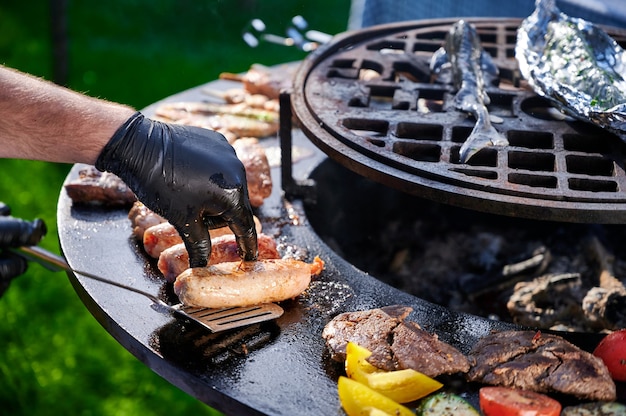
56	359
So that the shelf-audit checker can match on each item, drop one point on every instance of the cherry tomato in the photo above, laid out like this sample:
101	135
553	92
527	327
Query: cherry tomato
612	350
503	401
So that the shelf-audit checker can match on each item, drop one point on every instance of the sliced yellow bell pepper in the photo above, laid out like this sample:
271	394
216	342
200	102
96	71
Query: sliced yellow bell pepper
359	400
377	412
402	386
357	366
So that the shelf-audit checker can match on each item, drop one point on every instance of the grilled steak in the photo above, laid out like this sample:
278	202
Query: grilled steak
435	356
540	362
103	188
370	329
395	343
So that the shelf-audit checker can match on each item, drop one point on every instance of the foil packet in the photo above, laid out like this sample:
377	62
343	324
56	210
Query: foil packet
575	65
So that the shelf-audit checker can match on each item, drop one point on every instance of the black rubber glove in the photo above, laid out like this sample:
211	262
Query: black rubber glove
189	175
15	232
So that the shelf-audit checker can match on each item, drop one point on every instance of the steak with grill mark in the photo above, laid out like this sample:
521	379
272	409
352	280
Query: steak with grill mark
540	362
395	343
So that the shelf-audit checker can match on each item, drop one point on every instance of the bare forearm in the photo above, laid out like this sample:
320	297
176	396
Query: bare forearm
42	121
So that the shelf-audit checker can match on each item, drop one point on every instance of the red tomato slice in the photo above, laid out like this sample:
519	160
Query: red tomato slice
612	350
503	401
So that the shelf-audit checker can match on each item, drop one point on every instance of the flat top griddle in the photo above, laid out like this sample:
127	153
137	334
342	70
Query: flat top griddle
401	129
273	368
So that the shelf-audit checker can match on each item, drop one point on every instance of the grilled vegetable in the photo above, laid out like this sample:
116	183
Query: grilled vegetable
357	400
377	412
595	409
504	401
446	404
612	350
357	367
402	386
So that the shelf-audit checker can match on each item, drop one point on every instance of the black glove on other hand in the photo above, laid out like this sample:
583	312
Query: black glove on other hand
189	175
15	232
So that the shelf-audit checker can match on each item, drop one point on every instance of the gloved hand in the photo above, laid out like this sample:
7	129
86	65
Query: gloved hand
189	175
15	232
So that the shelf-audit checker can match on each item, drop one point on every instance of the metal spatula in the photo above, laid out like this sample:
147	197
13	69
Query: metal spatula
214	319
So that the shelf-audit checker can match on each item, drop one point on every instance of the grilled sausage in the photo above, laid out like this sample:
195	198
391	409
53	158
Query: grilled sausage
245	283
174	260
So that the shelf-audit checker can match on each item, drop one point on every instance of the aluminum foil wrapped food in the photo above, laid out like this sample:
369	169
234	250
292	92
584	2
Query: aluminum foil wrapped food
574	64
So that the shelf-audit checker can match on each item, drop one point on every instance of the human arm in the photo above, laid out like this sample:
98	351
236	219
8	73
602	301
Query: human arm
42	121
190	176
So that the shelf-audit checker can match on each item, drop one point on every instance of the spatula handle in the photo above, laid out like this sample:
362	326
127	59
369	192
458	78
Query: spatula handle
57	263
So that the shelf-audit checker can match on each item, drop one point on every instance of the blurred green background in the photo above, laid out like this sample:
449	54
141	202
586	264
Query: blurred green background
56	358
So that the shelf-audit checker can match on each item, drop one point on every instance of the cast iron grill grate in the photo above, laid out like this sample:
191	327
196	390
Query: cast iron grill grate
368	100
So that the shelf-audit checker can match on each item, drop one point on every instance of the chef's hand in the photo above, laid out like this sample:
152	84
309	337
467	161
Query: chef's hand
15	232
189	175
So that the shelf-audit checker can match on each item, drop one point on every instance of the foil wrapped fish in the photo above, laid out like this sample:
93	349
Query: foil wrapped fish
575	65
464	62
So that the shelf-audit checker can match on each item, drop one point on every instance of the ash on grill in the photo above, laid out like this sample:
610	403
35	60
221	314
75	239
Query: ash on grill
542	274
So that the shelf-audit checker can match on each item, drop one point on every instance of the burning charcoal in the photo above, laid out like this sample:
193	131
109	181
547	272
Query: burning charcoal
489	248
536	264
605	306
477	285
547	300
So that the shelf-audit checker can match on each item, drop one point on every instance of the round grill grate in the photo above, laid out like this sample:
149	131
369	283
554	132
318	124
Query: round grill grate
368	101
